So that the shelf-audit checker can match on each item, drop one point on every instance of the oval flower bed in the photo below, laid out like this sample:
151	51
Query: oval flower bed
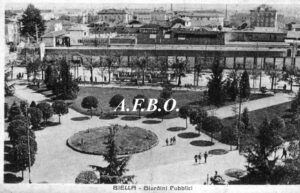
128	140
217	151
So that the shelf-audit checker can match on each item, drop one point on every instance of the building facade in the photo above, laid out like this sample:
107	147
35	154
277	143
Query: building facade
113	16
263	16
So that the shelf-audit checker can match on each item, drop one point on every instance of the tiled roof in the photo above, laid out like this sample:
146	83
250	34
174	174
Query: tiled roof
54	34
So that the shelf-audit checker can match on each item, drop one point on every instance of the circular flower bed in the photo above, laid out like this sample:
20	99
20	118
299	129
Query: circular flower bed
108	116
130	118
188	135
235	173
202	143
128	140
218	151
151	121
176	129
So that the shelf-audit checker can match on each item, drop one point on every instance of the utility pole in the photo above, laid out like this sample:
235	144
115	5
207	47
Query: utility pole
239	120
29	154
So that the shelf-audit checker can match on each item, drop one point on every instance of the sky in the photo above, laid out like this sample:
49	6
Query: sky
187	4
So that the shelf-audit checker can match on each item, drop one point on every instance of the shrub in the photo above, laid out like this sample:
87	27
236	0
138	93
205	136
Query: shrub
184	112
115	100
32	104
6	109
14	111
35	116
212	124
24	107
89	102
46	109
86	177
197	115
18	128
60	108
23	118
143	105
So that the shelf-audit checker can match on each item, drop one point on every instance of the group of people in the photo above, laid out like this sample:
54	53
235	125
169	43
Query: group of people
20	75
199	157
171	142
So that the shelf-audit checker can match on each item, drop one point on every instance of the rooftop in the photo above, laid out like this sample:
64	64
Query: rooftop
112	11
54	34
78	28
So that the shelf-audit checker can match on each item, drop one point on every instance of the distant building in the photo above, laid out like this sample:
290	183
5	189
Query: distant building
264	17
238	19
12	34
76	34
296	27
206	18
142	16
159	17
113	16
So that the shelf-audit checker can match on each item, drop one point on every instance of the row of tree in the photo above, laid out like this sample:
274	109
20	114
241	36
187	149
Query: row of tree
220	89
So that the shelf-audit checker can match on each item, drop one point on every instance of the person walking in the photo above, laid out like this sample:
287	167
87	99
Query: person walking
195	157
174	140
205	156
167	141
199	157
284	153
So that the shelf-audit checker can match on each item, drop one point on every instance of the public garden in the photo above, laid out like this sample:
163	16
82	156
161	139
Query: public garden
75	136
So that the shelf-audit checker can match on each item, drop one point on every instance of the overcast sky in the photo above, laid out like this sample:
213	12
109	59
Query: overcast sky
177	4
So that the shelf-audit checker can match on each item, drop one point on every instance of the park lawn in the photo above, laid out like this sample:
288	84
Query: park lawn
257	116
105	94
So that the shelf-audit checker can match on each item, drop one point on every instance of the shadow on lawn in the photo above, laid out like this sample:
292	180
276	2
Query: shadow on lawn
188	135
174	129
151	122
130	118
80	118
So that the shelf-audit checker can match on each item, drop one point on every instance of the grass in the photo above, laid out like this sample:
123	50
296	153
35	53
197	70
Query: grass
217	151
191	98
188	135
174	129
128	140
257	116
104	95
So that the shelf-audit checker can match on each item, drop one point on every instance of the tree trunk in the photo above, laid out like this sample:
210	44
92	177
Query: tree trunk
179	80
22	174
291	88
186	123
92	75
91	112
59	118
143	77
272	82
139	112
260	80
211	136
109	75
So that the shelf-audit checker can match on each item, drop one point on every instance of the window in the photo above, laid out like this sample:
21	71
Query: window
167	36
152	36
79	41
181	37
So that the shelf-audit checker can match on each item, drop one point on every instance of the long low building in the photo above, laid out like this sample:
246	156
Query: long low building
231	56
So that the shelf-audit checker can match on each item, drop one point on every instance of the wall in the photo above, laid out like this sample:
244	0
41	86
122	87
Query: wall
49	42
